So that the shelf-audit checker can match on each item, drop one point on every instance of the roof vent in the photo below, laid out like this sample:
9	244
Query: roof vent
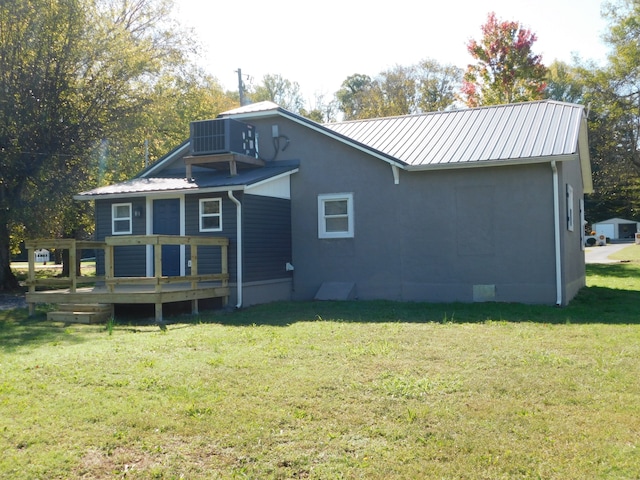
222	135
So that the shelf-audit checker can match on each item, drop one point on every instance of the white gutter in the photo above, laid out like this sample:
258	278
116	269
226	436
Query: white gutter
556	221
238	247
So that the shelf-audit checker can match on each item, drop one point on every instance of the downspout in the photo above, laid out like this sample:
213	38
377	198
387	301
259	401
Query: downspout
239	247
556	221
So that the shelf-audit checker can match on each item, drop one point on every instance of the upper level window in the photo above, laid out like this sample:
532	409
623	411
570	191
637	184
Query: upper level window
121	218
335	215
210	214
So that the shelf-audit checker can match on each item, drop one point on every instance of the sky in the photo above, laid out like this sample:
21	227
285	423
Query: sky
319	44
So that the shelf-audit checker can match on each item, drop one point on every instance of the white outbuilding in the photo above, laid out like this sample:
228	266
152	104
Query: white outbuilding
617	228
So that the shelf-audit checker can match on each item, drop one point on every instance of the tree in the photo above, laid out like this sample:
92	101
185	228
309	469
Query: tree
173	102
613	93
425	87
437	85
71	72
322	111
624	72
564	83
353	96
506	69
279	90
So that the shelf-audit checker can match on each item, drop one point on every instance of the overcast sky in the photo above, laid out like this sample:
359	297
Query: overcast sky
320	44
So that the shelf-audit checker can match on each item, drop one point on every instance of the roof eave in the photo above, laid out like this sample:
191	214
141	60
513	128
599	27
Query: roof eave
585	158
493	163
158	193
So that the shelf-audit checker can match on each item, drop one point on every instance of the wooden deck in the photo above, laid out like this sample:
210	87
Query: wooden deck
112	290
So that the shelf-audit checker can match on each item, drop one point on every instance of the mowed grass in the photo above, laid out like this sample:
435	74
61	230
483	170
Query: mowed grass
370	390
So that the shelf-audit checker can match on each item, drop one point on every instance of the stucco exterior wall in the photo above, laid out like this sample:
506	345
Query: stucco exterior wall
573	264
474	234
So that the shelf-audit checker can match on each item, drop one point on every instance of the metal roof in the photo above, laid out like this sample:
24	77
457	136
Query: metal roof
205	181
265	106
461	137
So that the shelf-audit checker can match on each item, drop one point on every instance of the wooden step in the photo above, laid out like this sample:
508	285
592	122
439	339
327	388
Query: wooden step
81	313
84	307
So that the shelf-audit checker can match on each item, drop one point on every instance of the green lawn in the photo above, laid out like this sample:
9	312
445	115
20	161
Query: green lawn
355	390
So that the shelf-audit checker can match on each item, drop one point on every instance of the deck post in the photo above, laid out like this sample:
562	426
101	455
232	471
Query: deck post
157	263
135	289
108	267
194	273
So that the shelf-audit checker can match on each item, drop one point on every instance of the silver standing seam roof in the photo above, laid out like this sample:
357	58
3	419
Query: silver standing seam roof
528	132
459	137
511	134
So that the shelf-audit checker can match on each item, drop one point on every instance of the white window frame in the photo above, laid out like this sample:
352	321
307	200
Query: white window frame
322	217
202	215
114	219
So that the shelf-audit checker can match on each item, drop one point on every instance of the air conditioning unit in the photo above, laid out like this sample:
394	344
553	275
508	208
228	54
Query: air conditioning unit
222	135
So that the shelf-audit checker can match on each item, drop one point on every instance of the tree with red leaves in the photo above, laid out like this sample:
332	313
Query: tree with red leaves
506	71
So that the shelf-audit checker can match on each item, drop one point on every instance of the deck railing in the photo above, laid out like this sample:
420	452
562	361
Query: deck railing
158	241
74	247
76	279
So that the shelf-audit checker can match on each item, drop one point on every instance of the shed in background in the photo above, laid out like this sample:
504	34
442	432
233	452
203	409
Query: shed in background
617	228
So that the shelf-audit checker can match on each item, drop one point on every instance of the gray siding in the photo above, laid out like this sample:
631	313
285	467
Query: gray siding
266	234
130	261
209	257
266	237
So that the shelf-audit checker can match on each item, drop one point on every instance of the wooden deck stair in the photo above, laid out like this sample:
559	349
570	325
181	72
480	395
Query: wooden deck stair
81	313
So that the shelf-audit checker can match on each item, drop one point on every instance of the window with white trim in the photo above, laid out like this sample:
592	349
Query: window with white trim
210	214
121	219
335	215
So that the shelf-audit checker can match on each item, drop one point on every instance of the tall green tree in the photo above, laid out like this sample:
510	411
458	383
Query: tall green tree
624	71
401	90
173	102
564	83
505	70
71	72
354	97
613	94
437	85
279	90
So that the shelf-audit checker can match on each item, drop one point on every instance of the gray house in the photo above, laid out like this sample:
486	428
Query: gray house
480	204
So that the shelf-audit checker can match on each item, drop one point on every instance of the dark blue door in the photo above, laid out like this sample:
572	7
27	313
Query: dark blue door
166	221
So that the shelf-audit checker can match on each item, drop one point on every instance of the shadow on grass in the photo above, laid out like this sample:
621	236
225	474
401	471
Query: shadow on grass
17	329
592	305
615	270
